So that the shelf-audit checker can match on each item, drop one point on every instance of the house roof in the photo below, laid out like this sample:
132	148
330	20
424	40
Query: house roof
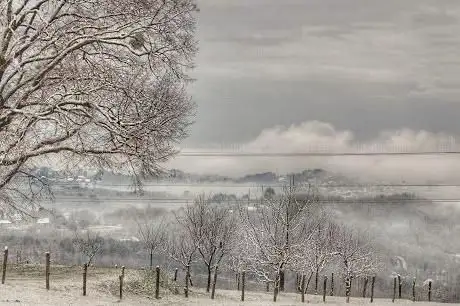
43	221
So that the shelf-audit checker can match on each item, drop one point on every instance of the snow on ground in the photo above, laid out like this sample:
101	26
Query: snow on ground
66	289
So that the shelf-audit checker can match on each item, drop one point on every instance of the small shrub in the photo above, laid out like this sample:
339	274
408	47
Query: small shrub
142	282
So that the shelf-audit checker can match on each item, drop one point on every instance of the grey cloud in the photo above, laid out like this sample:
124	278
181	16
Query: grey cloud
361	65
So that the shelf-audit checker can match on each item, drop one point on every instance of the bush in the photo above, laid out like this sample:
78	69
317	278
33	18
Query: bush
142	282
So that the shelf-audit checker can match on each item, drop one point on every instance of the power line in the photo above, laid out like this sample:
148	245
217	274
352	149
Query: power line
273	185
182	200
311	154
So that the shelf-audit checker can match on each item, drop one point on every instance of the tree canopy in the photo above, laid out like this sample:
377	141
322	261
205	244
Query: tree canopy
97	81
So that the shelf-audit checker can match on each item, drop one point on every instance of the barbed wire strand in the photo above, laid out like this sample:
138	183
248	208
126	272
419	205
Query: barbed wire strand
182	200
270	185
314	154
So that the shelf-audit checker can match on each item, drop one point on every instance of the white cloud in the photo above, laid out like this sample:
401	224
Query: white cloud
317	136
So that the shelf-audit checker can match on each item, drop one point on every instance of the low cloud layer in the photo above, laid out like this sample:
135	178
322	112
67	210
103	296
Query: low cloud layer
361	65
315	136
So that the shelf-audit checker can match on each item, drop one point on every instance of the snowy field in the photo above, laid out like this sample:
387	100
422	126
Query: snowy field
28	288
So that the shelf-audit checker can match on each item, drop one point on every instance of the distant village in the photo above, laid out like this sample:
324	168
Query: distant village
82	179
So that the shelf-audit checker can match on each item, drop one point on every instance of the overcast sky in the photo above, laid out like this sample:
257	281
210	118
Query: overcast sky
287	73
360	65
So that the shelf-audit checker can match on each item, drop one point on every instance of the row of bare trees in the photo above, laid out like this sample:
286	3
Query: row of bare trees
294	232
290	232
200	232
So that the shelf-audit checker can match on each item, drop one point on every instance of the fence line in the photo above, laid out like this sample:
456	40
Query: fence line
164	281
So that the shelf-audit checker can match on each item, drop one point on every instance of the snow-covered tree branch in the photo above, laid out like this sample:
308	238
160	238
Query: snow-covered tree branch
98	79
277	232
153	236
212	227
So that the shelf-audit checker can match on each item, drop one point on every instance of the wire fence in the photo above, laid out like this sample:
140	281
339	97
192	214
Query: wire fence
166	280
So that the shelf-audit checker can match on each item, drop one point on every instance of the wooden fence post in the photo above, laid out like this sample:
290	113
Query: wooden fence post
399	287
157	283
267	283
175	274
429	291
121	286
214	284
332	284
85	272
47	270
5	260
372	289
394	289
413	289
324	288
122	277
366	281
243	284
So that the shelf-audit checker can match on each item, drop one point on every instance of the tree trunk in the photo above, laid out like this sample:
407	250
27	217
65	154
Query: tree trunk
214	284
324	289
365	287
308	282
151	259
281	287
243	281
208	286
276	287
302	288
297	284
316	281
394	290
187	280
372	289
348	288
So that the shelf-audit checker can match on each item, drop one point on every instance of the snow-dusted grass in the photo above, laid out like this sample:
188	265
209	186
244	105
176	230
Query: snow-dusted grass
27	287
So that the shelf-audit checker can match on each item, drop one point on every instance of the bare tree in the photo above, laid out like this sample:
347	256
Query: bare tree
321	247
277	231
237	257
101	82
153	236
181	247
357	255
212	228
90	245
